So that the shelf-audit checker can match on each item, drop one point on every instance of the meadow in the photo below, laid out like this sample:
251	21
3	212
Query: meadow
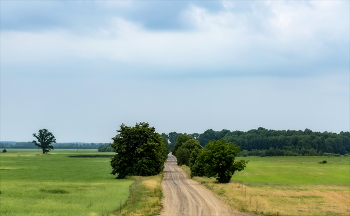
288	186
56	184
295	171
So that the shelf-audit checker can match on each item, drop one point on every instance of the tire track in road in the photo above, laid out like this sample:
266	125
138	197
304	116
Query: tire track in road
186	197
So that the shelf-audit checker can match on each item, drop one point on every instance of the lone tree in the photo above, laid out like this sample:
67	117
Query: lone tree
140	151
217	159
45	138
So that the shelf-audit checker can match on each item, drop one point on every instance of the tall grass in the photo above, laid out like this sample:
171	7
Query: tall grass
56	184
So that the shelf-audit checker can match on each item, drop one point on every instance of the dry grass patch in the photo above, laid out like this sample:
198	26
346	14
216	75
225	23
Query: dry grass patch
279	199
145	197
151	183
288	186
283	200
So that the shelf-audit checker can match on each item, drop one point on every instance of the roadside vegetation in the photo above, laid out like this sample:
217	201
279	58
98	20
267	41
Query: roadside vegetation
140	155
145	197
216	159
287	186
140	151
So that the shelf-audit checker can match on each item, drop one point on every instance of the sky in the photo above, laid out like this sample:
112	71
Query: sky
82	68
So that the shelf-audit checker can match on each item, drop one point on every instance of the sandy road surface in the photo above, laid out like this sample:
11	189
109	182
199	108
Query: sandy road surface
184	196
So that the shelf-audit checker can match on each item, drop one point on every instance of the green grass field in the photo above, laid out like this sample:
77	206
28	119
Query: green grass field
39	151
56	184
295	171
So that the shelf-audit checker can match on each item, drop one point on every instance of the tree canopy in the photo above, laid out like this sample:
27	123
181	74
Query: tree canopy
217	159
140	150
181	139
187	151
45	139
261	141
105	148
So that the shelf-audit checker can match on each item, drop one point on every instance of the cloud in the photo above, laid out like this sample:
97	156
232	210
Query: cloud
80	16
271	38
181	66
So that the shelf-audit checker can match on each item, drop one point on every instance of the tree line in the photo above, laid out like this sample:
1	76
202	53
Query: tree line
264	142
29	145
141	151
216	159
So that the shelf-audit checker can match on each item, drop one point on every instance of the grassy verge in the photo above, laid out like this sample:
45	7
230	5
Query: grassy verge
145	197
287	186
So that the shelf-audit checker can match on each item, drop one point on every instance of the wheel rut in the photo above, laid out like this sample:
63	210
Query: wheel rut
186	197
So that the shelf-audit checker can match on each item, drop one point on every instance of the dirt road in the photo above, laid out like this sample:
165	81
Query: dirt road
184	196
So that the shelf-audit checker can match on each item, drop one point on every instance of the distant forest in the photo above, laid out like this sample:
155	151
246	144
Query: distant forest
255	142
30	145
264	142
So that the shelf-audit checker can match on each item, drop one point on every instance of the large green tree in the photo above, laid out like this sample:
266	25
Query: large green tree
45	139
140	151
217	159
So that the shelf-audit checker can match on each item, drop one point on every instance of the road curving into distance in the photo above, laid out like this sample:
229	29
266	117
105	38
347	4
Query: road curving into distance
186	197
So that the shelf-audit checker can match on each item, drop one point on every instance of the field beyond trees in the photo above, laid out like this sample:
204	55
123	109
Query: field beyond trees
288	186
56	184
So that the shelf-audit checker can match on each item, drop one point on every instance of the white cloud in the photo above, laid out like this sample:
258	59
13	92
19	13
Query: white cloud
288	34
78	73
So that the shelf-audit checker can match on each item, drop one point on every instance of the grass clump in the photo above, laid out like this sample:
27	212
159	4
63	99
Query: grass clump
54	191
306	197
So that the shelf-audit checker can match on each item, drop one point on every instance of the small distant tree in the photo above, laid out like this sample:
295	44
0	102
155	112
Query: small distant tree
217	159
45	139
105	148
4	151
